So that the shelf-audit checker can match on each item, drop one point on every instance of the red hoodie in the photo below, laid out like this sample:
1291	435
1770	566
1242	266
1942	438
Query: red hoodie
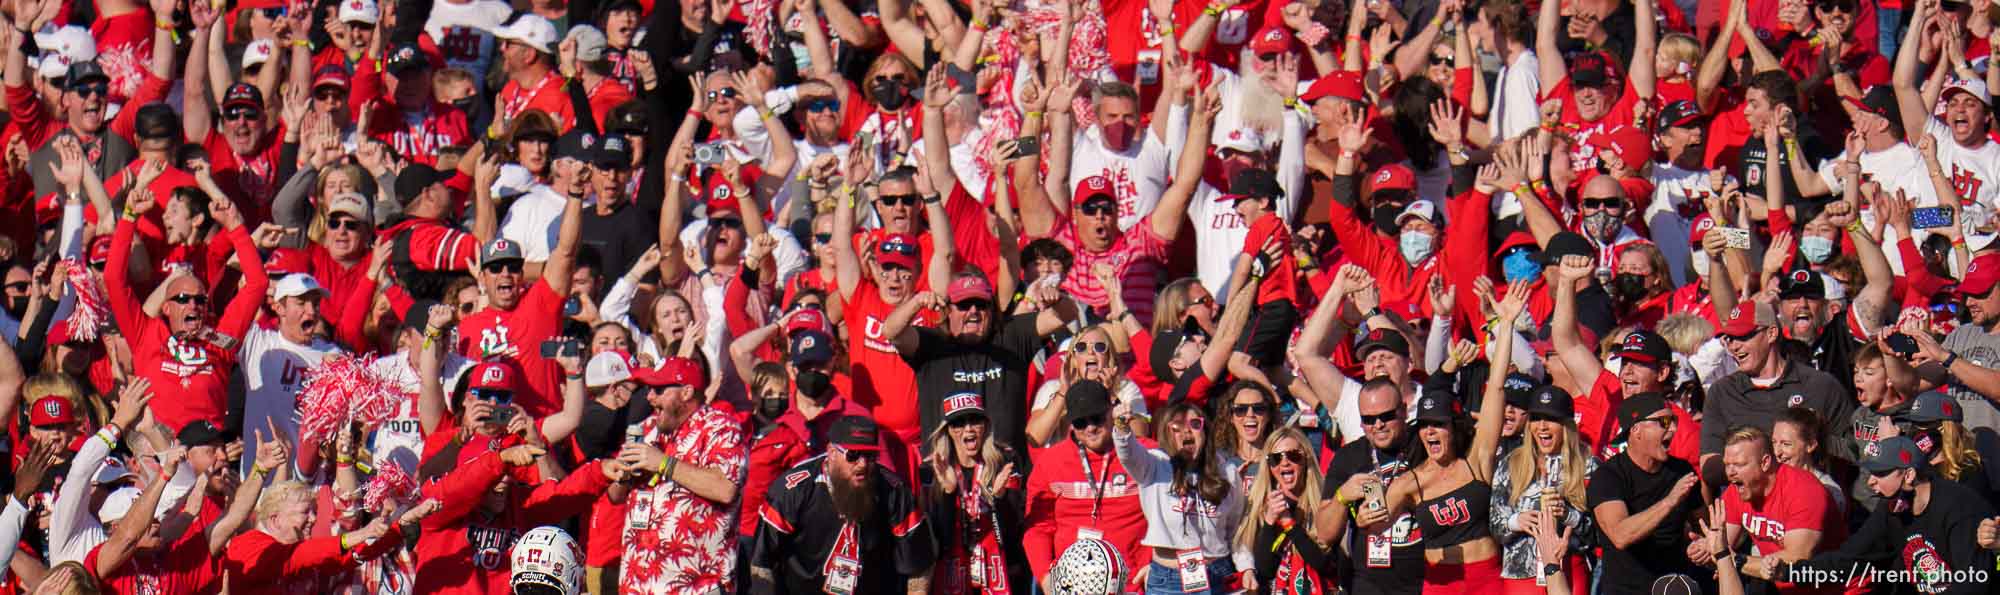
460	552
190	378
1061	498
256	563
1464	242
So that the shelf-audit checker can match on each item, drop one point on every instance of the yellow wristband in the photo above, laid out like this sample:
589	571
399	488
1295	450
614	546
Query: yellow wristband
163	24
1034	114
1212	10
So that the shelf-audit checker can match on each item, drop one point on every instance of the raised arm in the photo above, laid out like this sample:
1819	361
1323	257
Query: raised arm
1579	357
1039	214
123	541
1168	214
1909	101
1311	352
562	257
430	358
850	28
1548	56
1648	40
1486	432
196	112
1413	55
1715	60
1761	58
558	427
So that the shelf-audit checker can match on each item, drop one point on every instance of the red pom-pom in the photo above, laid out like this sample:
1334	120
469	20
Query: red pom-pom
342	390
390	484
91	305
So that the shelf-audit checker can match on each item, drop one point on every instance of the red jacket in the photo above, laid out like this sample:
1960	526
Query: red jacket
1061	498
189	377
463	553
1399	283
256	563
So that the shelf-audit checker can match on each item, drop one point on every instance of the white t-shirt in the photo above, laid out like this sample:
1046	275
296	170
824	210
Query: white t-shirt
1899	167
1219	234
464	32
1138	176
534	221
1514	107
401	439
273	371
964	164
1974	171
1672	188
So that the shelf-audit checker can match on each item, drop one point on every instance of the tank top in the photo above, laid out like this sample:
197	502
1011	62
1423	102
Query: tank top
1457	516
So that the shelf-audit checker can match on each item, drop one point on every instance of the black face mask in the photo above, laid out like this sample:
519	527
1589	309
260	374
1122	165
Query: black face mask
772	407
17	305
813	384
889	94
1628	288
464	105
1385	218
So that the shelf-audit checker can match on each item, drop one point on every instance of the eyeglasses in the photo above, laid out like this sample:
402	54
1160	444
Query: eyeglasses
1260	409
330	94
345	224
1379	418
823	105
1602	203
723	93
189	298
1098	207
1087	422
242	113
971	305
86	90
495	268
1091	347
890	200
822	238
1295	457
1192	423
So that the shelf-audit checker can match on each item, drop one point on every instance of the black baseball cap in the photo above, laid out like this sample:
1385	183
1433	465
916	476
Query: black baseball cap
1439	408
199	432
1552	401
810	348
1519	388
1382	338
87	70
1880	100
1566	243
613	152
406	58
578	145
1638	407
1895	453
1254	183
1802	283
1682	114
157	121
855	432
1646	347
1591	69
415	179
1086	398
417	315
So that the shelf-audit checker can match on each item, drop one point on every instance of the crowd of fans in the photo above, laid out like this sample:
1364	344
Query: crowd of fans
1283	297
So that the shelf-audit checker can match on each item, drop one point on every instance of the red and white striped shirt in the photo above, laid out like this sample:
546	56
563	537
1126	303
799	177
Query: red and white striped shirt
1138	256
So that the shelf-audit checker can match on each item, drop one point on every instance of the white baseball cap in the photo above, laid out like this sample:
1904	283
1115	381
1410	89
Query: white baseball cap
297	285
360	11
352	204
258	52
514	180
530	29
72	42
1243	140
606	369
1419	208
1974	86
52	65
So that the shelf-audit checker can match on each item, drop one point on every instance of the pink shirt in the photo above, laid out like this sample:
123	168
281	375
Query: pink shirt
1138	257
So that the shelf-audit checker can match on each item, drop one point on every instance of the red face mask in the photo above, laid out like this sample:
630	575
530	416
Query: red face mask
1118	136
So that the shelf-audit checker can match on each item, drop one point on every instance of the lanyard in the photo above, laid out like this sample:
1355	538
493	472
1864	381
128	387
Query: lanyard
1096	482
520	101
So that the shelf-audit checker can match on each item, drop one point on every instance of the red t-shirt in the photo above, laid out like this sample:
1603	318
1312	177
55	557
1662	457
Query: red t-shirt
516	336
546	95
883	382
1281	281
183	568
124	48
250	179
1233	28
1582	155
1796	501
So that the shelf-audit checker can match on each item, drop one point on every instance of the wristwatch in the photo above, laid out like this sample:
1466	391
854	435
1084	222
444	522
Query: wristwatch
1551	569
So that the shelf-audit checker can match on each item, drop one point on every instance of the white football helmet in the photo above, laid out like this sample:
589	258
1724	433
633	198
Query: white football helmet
1089	567
547	560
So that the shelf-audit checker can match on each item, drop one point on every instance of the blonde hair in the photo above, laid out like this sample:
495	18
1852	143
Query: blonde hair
1260	489
1524	467
767	376
278	494
1685	332
938	449
85	582
316	227
1958	451
1680	47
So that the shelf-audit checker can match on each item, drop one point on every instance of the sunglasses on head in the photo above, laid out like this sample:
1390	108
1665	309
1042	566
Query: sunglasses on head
1098	207
345	224
242	113
1602	203
823	104
189	299
1260	409
723	93
495	268
1379	418
890	200
1087	422
1295	457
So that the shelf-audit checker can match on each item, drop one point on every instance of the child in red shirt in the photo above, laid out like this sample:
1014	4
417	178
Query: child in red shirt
1266	260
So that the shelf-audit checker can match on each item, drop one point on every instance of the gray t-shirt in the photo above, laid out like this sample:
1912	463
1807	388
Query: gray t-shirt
1982	348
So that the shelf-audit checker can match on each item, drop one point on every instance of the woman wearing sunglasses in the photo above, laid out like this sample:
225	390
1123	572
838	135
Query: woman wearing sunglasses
1193	502
1250	417
1546	473
1452	463
973	502
1278	528
1089	356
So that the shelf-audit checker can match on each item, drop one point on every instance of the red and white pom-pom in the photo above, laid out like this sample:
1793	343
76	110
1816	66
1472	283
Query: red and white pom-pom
325	397
375	398
390	484
759	13
91	304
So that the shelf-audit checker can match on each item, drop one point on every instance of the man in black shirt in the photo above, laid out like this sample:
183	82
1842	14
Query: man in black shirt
1927	529
1640	498
616	228
1390	561
976	352
839	524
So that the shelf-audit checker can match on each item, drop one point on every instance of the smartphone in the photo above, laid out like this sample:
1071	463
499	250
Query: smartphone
1903	345
710	154
1930	217
864	141
560	347
1371	495
1027	146
1739	238
572	307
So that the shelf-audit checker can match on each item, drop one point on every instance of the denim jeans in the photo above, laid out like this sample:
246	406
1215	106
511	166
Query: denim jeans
1889	31
1166	580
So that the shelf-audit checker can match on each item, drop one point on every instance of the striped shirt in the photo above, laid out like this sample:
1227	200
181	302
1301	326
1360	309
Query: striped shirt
1138	256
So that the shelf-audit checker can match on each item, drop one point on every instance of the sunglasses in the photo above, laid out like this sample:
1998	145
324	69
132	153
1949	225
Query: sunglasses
345	224
97	89
465	308
1259	409
823	105
1379	418
242	113
1206	300
330	94
1087	422
967	421
1440	60
1091	347
1544	417
890	200
1602	203
822	238
1267	57
359	26
723	93
1835	6
879	79
856	456
728	223
189	298
1294	457
971	305
1665	421
1193	423
492	395
1098	207
274	12
503	267
18	286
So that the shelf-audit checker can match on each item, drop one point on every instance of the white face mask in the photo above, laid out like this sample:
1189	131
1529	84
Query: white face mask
1699	260
1415	245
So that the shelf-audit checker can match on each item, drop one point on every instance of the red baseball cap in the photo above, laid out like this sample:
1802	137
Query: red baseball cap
1980	275
330	75
1342	84
676	371
807	319
52	410
1272	39
1629	143
1747	318
1090	187
1394	176
969	287
1698	229
494	376
100	250
899	249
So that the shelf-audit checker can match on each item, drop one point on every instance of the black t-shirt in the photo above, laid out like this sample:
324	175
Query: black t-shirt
997	370
1405	573
618	238
1664	550
798	538
1752	161
1940	545
1833	351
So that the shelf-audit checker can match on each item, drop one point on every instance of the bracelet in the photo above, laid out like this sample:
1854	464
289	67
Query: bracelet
1854	226
163	24
302	43
1949	360
931	199
256	469
343	544
764	114
1034	114
1212	10
979	24
570	376
694	113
